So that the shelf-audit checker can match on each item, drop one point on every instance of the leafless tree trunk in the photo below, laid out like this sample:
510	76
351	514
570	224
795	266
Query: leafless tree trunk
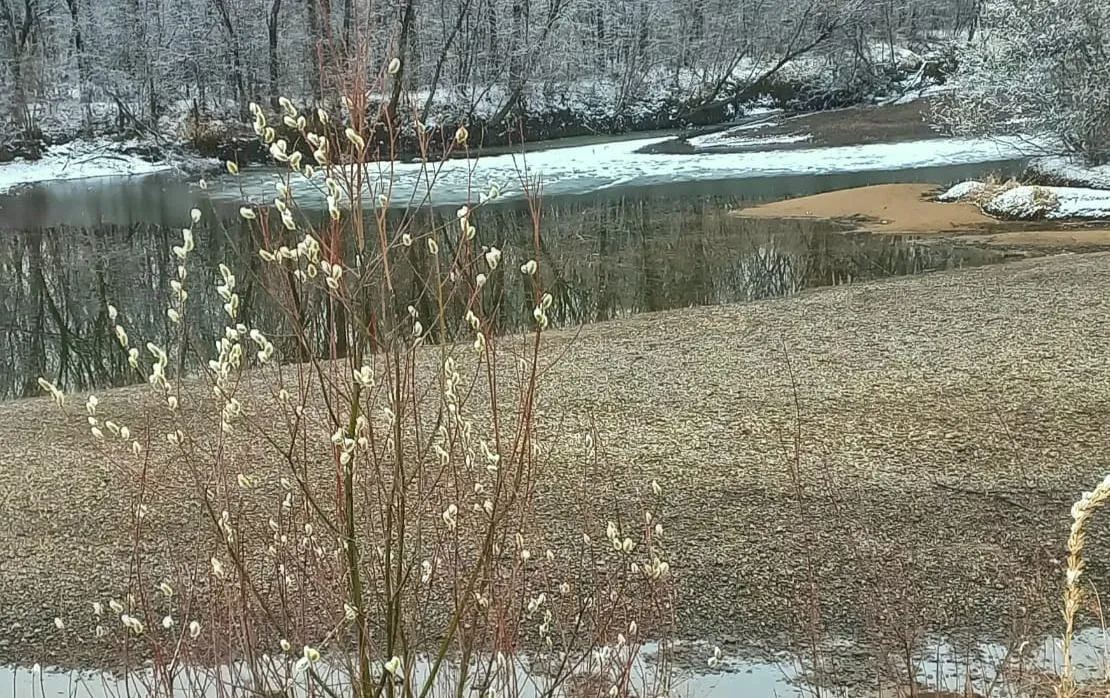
312	17
402	45
448	42
79	51
494	44
19	31
272	26
224	13
348	20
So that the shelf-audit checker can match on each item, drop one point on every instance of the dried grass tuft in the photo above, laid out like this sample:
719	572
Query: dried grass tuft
1081	513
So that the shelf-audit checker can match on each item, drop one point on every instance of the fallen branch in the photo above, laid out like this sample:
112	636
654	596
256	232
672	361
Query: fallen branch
982	493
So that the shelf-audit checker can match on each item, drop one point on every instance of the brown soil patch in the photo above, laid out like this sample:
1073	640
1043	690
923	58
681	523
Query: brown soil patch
908	447
858	126
887	208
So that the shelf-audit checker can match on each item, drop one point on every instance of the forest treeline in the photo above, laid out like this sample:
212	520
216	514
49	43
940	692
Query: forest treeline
558	65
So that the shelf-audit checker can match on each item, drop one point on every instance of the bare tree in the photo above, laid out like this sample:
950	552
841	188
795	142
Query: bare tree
1039	67
272	34
79	54
490	60
236	54
398	75
20	22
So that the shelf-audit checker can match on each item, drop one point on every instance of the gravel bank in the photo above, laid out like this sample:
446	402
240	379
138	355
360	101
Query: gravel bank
935	427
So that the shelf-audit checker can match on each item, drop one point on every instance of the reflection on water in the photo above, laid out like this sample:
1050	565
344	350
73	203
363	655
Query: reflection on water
276	680
599	259
993	670
638	670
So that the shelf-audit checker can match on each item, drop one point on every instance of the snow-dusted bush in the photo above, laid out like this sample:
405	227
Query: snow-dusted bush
1037	66
1013	201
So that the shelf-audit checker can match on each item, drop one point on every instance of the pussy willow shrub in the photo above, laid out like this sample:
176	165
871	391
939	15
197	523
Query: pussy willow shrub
340	504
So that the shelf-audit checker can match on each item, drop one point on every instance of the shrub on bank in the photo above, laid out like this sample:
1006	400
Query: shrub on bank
362	492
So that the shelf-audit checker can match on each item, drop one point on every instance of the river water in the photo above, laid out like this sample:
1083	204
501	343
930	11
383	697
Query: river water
68	249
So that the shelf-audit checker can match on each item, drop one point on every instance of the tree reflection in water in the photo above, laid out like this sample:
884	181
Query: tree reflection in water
602	260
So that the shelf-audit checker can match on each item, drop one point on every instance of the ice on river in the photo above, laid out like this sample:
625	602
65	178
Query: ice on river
586	168
565	170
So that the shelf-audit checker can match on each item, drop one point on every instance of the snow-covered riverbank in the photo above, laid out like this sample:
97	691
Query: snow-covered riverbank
93	159
1070	171
865	138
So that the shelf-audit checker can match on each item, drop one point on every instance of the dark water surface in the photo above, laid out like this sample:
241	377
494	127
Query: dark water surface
68	250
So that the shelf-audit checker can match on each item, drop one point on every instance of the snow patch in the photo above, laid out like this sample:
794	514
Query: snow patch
962	191
761	111
731	138
1027	202
1022	203
78	160
1073	171
921	93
